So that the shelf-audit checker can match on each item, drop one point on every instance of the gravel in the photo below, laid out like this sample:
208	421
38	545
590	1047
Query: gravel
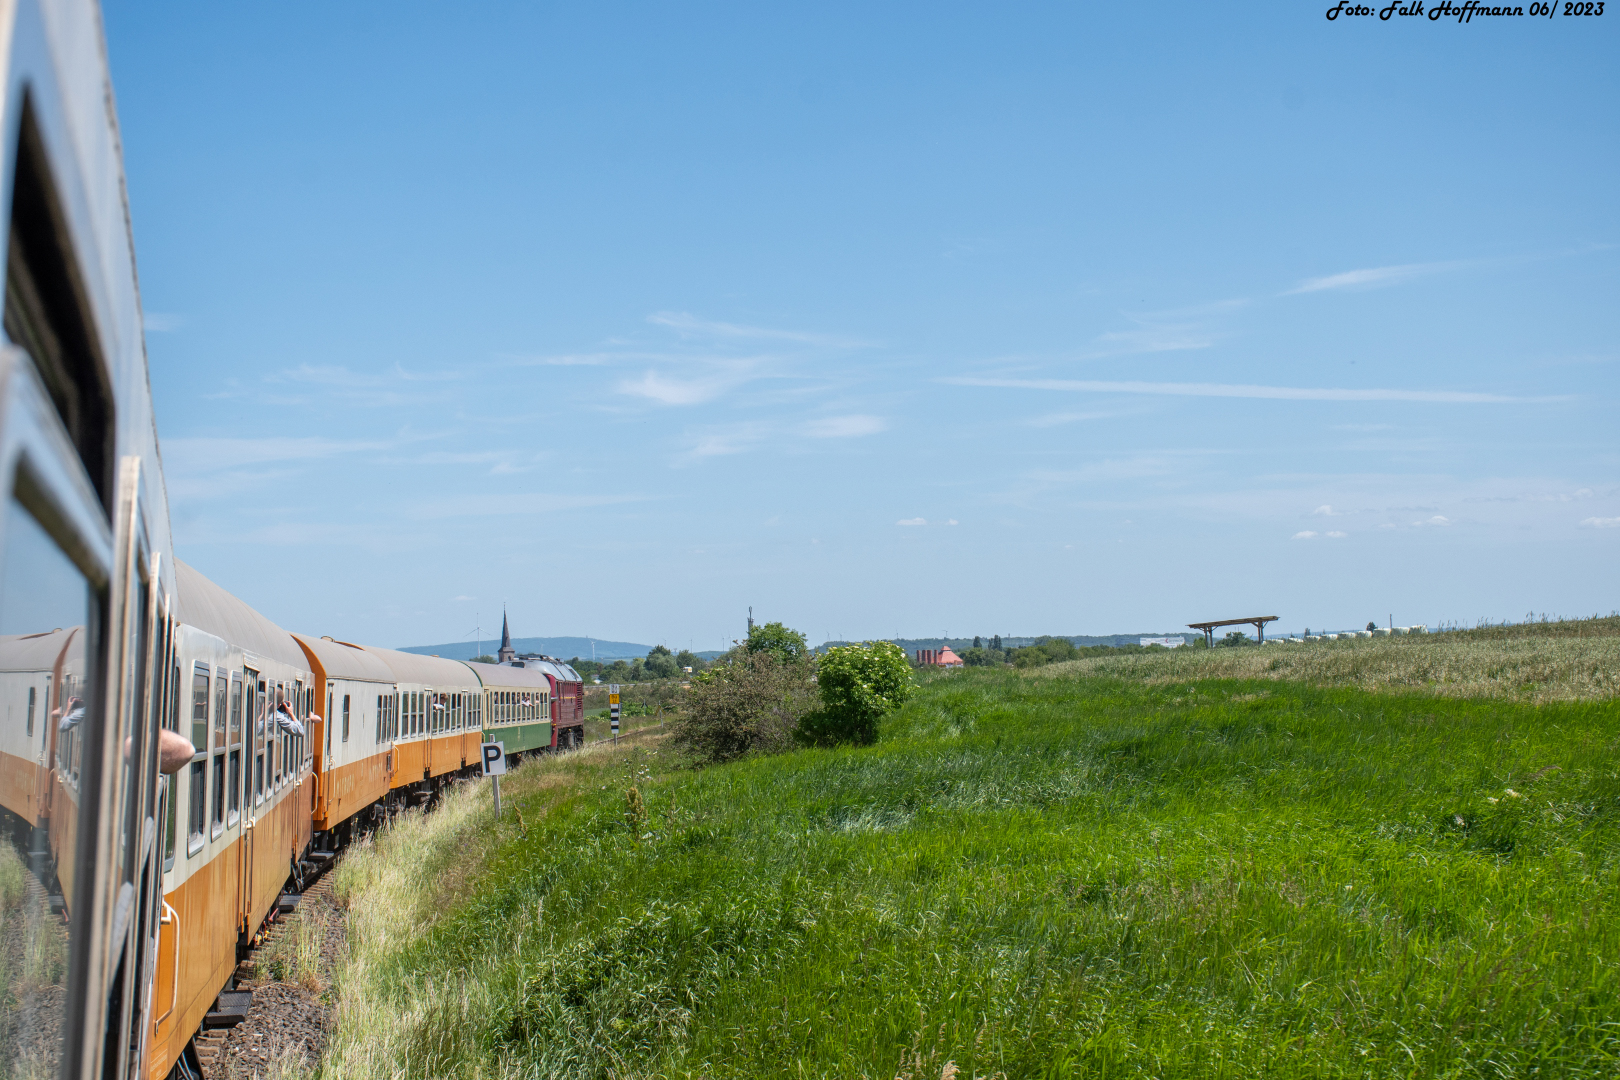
285	1030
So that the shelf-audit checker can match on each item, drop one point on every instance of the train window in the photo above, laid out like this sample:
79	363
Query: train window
345	717
199	708
219	794
198	810
221	690
255	706
234	812
236	708
46	610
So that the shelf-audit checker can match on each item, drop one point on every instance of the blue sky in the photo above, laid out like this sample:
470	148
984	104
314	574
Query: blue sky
912	319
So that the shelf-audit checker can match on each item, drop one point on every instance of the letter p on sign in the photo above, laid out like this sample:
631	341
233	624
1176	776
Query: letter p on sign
494	758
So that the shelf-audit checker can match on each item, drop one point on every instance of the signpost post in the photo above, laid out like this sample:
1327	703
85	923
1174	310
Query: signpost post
613	708
494	755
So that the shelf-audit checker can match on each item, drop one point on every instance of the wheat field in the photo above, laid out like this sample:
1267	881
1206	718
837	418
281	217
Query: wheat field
1574	660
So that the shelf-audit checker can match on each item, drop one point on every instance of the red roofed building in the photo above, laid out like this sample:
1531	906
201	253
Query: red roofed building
938	658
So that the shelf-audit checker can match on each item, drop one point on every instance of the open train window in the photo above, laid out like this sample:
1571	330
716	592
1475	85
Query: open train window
47	311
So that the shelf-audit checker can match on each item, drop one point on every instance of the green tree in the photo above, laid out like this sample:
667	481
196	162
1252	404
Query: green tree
858	684
485	659
774	638
660	663
688	659
1234	639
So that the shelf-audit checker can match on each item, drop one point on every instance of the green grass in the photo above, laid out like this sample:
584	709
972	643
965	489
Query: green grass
1038	877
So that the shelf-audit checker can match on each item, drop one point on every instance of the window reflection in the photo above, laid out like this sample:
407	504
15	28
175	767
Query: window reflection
46	616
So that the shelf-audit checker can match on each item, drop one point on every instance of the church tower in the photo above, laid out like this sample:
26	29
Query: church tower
506	654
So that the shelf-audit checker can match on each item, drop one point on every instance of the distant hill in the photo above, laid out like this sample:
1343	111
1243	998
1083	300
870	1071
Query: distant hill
564	648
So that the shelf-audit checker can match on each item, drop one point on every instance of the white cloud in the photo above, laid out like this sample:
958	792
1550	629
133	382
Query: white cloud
672	391
912	521
1601	523
1337	535
1233	390
1371	277
161	322
1438	519
1324	511
1305	535
844	427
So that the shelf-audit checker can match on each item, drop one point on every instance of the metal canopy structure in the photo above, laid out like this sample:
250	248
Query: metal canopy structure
1256	621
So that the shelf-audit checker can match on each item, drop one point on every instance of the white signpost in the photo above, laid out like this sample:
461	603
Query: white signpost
494	755
613	708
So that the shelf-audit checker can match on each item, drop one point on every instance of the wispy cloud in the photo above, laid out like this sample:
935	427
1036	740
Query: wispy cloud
1601	523
161	322
845	427
912	521
721	441
1305	534
691	326
1056	419
1152	339
1232	390
1373	277
510	505
200	455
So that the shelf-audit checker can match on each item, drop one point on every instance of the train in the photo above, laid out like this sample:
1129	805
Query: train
171	761
298	744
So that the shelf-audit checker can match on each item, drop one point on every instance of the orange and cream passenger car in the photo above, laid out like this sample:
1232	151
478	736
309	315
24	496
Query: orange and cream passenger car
353	742
239	814
437	728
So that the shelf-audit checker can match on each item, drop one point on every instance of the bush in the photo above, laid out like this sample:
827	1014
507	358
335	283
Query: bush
748	702
1046	650
858	684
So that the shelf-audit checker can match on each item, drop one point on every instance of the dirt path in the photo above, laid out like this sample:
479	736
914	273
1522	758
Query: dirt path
291	976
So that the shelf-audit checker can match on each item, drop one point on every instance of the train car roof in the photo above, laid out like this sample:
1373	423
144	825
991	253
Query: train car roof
340	660
496	676
37	652
552	667
434	671
211	609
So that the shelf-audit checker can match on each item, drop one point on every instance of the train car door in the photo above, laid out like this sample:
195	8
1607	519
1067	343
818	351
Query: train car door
254	762
426	699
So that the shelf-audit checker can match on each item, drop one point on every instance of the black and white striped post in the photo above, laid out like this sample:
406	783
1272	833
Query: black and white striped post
613	709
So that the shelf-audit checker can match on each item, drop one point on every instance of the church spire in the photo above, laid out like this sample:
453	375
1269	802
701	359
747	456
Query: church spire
506	654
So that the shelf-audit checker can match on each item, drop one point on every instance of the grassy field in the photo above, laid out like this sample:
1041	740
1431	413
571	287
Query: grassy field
1197	869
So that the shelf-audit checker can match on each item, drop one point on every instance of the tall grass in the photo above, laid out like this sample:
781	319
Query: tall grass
1043	877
